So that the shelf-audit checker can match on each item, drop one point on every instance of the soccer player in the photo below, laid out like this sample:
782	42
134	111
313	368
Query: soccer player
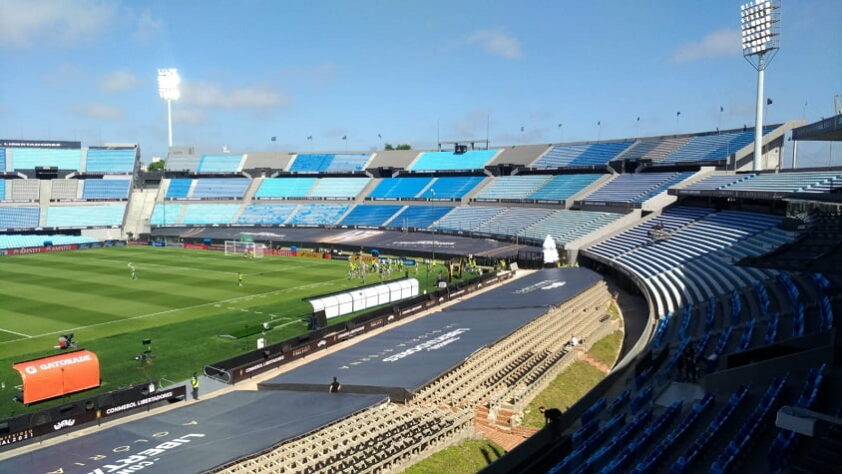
240	277
133	271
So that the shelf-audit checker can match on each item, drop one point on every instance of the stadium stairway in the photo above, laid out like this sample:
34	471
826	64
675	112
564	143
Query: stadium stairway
367	189
466	199
139	211
45	189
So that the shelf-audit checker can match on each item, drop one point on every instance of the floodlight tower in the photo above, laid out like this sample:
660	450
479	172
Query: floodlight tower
759	23
168	82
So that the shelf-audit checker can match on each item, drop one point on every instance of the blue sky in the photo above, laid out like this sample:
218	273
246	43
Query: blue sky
85	70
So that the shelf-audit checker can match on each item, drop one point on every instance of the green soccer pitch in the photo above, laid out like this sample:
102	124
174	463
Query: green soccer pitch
182	299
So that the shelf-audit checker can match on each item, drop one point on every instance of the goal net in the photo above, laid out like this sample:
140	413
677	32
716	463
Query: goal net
245	249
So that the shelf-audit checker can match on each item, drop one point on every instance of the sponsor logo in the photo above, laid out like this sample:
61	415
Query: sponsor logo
139	403
431	345
64	424
557	284
321	343
33	369
265	363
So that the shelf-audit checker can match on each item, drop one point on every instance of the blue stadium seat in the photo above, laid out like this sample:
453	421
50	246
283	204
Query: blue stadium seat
110	161
208	188
444	160
2	159
106	189
419	216
563	186
166	214
107	215
285	188
200	214
375	216
400	188
512	187
467	218
266	214
635	187
179	187
595	154
339	188
220	163
19	217
30	158
451	187
318	214
23	241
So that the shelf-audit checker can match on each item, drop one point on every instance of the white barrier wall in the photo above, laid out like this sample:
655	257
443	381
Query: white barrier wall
369	297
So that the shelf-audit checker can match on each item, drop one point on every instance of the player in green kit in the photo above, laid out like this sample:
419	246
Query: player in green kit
133	271
240	277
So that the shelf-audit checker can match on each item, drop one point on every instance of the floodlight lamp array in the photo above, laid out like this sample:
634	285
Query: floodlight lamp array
168	82
758	20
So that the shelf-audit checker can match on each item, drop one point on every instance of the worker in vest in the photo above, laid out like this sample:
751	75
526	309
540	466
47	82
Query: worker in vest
194	382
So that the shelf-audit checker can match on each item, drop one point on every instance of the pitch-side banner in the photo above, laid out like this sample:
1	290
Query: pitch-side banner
58	375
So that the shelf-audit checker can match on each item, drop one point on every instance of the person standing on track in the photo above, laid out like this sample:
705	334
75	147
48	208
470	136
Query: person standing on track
194	383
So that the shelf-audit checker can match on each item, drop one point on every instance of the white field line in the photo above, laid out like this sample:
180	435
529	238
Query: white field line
168	311
199	269
15	333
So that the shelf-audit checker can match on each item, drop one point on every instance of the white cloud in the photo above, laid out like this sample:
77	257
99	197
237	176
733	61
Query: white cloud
63	74
720	43
189	116
64	22
497	42
207	95
472	125
117	81
148	27
99	111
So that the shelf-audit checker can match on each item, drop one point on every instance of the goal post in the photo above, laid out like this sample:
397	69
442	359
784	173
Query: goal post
244	249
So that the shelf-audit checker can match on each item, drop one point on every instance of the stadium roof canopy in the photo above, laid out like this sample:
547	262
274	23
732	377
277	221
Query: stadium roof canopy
829	129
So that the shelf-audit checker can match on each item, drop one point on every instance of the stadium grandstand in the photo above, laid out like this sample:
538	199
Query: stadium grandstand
658	301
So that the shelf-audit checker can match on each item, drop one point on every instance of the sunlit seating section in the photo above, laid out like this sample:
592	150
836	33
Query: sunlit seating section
446	160
566	226
19	217
110	160
451	187
210	188
467	218
107	215
400	188
339	188
167	214
22	241
563	187
199	214
285	188
65	189
635	187
24	189
266	214
594	154
318	214
512	187
220	163
61	158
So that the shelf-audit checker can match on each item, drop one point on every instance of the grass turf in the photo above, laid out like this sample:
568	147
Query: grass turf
574	382
183	300
467	457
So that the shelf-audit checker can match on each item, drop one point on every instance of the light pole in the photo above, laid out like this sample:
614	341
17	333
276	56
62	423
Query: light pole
168	82
760	33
